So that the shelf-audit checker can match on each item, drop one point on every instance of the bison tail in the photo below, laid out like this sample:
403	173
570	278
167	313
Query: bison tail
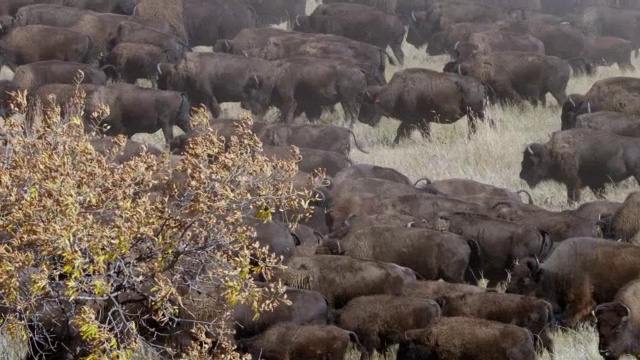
355	142
353	337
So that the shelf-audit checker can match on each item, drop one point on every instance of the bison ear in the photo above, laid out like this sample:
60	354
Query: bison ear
620	310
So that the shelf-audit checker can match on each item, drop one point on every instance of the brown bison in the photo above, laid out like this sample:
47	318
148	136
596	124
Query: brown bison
307	307
293	341
608	50
579	158
134	109
341	278
380	321
618	323
370	171
491	41
471	191
132	32
322	137
418	97
501	242
443	42
431	254
132	61
435	289
609	121
34	75
357	22
533	314
467	338
31	43
516	76
616	93
311	159
625	223
579	274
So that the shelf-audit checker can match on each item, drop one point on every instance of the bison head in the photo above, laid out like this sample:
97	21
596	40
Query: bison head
534	165
166	76
370	109
574	105
421	27
613	329
257	95
438	44
525	277
464	51
302	24
330	247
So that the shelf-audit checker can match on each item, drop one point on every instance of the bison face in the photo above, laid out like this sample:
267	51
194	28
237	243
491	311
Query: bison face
572	107
302	24
525	277
437	44
421	27
257	95
534	168
612	323
370	110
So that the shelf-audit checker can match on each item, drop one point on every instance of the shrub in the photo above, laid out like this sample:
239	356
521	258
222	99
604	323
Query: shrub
99	258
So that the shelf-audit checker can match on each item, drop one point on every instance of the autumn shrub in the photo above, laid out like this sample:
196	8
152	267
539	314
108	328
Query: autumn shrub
99	258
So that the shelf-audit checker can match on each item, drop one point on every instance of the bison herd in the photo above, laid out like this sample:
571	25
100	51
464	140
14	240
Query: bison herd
383	260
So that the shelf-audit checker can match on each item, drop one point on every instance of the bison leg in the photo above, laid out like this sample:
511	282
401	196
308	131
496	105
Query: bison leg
397	52
404	131
287	110
573	194
351	110
425	129
167	130
598	191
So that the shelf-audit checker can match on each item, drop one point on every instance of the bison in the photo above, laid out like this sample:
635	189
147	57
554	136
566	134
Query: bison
443	42
491	41
579	274
472	191
431	254
133	61
436	289
322	137
467	338
132	32
608	50
341	278
418	97
533	314
357	22
380	321
294	341
276	11
516	76
311	159
34	75
211	79
616	93
625	223
579	158
501	242
134	109
31	43
617	323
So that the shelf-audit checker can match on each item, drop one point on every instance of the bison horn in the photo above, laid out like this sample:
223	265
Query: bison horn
410	224
589	107
255	77
459	69
245	53
537	262
529	150
516	261
413	16
227	46
297	20
159	69
455	47
572	102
